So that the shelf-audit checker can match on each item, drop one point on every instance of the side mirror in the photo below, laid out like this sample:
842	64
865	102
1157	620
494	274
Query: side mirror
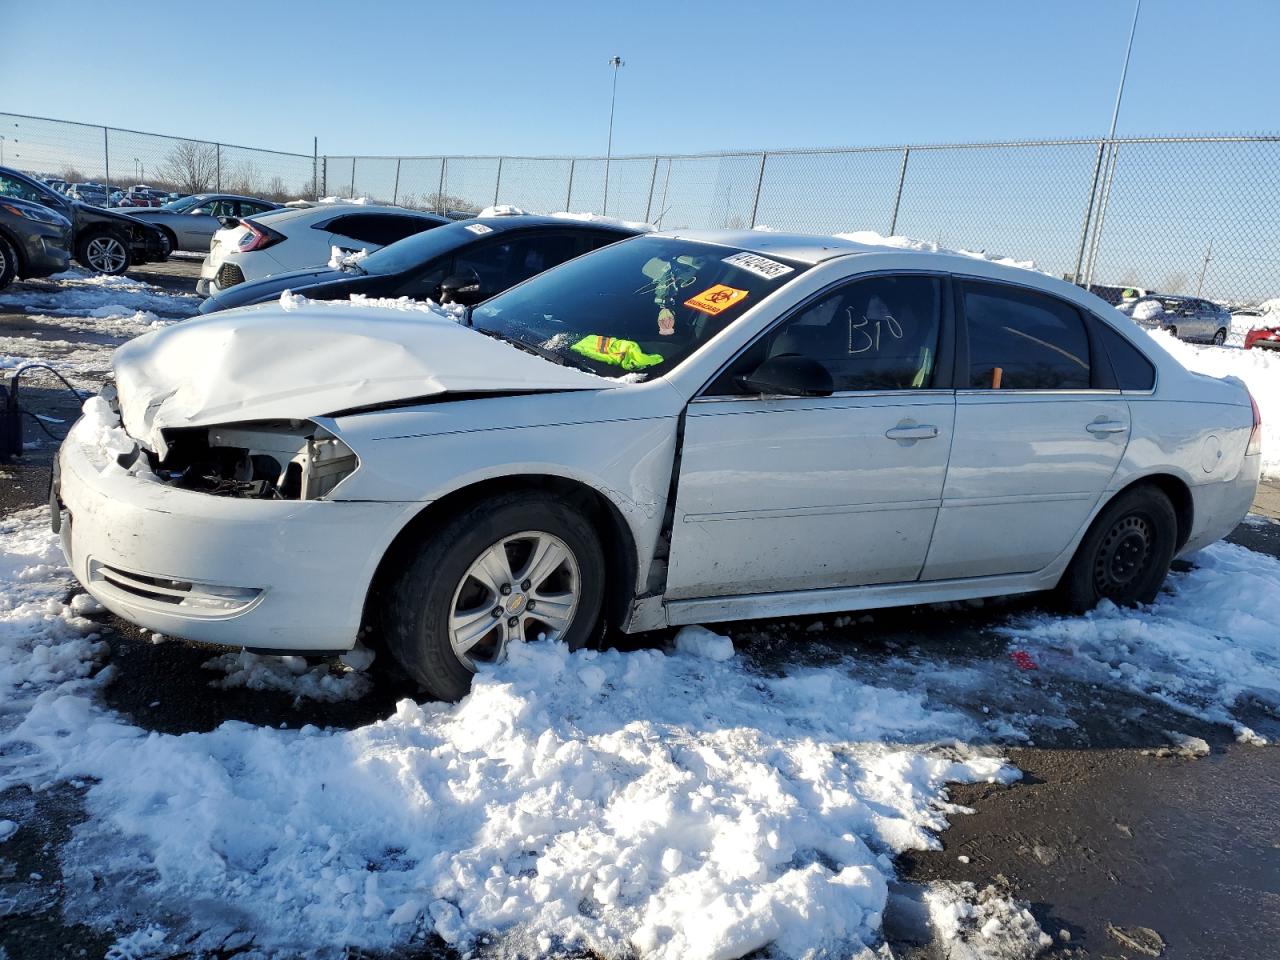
463	288
789	376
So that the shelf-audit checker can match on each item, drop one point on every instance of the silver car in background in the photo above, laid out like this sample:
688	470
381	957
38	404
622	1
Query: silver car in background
190	223
1187	318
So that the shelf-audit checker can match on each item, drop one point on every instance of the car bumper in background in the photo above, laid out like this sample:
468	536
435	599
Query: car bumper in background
278	575
47	252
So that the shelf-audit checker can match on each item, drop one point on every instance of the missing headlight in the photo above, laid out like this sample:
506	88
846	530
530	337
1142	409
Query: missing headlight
271	460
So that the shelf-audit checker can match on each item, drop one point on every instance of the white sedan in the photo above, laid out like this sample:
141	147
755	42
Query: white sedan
676	429
294	238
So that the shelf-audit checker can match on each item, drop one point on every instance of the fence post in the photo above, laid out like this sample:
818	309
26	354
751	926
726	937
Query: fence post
395	191
352	192
315	168
568	197
324	176
1096	243
217	150
1078	276
897	199
665	184
497	184
440	193
106	162
653	178
755	204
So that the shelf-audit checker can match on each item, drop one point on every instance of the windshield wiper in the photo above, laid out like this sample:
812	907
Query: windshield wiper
527	347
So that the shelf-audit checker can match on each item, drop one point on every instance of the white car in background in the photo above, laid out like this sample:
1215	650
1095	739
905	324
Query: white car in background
678	428
292	238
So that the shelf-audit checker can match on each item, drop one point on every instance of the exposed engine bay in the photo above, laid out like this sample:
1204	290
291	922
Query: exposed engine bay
269	460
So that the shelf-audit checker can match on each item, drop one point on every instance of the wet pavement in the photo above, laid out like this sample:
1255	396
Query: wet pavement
1121	852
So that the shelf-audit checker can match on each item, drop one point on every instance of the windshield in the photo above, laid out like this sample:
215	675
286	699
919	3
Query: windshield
179	206
416	250
640	306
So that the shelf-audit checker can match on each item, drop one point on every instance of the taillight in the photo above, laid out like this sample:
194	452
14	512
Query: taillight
1255	438
258	237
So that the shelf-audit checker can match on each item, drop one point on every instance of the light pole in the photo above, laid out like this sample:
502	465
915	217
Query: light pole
614	62
1	150
1111	142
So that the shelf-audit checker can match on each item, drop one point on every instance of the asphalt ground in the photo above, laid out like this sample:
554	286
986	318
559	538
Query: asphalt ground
1121	852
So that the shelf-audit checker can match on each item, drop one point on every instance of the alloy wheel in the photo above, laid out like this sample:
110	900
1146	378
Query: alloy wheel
106	255
524	587
1219	338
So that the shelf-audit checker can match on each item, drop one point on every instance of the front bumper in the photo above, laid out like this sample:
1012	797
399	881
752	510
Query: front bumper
283	575
46	252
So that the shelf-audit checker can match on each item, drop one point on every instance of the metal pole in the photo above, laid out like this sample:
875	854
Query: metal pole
497	184
1208	255
614	62
440	192
315	168
755	206
897	199
1124	70
568	197
106	163
395	191
653	178
1096	244
217	149
324	176
352	193
1078	277
665	183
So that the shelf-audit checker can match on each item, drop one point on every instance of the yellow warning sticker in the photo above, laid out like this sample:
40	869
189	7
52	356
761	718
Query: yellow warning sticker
716	299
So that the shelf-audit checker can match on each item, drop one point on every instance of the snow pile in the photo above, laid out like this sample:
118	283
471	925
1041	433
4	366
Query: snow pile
500	210
81	294
701	642
288	675
871	238
339	200
675	806
1259	369
452	312
1207	646
598	218
339	258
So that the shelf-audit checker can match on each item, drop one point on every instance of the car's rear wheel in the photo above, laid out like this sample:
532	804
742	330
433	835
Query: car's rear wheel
104	253
168	243
518	567
1220	337
8	263
1125	556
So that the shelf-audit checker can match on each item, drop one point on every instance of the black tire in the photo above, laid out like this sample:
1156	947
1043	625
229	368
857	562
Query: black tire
436	583
1125	556
1173	332
8	263
104	252
1220	337
170	241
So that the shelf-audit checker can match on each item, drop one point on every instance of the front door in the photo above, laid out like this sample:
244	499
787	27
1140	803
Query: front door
795	493
1036	442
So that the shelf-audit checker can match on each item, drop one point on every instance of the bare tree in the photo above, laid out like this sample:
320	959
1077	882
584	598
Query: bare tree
191	166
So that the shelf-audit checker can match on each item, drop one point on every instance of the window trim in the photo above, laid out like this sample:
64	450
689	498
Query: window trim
1100	375
944	368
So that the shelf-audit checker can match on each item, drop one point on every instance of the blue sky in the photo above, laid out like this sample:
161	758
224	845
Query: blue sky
487	77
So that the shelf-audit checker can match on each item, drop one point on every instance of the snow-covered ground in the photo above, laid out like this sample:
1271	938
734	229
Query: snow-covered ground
690	802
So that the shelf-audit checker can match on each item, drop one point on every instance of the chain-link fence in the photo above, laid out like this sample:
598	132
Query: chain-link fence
1180	215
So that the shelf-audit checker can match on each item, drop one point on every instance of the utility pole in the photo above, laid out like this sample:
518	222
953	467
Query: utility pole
614	62
1204	266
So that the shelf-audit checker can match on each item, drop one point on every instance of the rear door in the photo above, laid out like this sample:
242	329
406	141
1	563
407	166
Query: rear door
782	493
1039	431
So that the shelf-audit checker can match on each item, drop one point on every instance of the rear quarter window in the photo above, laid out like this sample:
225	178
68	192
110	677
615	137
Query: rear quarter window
1132	369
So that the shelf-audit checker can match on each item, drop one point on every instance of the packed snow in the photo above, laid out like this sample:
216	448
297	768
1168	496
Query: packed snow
871	238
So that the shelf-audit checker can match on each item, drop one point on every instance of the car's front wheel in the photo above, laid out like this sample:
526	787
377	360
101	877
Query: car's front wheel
1125	556
103	253
8	263
518	567
1219	337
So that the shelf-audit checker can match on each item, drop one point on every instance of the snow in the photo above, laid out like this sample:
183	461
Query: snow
288	675
339	258
599	218
1259	369
500	210
873	239
701	642
82	294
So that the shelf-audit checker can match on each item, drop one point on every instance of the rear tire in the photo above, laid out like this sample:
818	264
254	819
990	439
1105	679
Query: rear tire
104	252
487	578
1125	556
8	263
1220	337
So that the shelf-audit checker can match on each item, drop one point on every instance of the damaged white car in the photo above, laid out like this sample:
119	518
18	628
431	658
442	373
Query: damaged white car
674	429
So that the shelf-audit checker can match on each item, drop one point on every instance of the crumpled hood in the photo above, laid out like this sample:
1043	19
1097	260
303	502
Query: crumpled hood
281	363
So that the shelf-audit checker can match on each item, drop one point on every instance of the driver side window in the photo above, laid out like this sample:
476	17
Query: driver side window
879	333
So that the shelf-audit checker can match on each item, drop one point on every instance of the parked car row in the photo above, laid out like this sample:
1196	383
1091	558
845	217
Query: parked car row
674	428
1188	318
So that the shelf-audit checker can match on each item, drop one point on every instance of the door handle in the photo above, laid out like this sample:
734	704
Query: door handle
1100	428
912	431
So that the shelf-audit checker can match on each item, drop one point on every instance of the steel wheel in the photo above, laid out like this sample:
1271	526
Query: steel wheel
106	254
1122	556
527	586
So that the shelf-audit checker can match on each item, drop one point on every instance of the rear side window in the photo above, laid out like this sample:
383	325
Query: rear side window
1024	340
379	228
1133	371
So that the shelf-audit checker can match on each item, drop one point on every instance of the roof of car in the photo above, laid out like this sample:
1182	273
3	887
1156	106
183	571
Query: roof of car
322	210
228	196
510	221
802	247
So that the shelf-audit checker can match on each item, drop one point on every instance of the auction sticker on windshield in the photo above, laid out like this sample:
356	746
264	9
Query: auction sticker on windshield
716	299
760	266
